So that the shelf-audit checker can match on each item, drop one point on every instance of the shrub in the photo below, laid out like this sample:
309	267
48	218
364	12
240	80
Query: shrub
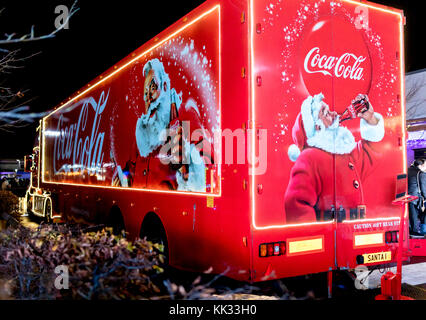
100	265
9	204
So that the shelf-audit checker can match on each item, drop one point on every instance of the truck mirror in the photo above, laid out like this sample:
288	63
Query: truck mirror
28	163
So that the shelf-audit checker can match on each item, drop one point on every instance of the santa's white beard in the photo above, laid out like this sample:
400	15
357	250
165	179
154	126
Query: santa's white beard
334	139
150	131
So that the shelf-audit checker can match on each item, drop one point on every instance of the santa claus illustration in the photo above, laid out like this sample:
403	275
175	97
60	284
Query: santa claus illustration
326	181
160	123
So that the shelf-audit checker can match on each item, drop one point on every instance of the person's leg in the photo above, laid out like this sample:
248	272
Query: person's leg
423	222
414	219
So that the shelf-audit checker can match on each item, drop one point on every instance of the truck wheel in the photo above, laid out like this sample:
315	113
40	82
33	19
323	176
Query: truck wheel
116	222
153	230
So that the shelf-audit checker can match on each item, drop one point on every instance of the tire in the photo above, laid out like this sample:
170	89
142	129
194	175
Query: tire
116	222
153	230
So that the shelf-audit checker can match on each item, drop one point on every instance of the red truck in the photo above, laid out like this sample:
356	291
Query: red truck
259	138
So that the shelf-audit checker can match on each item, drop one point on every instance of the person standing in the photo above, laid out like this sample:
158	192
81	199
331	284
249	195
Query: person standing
417	187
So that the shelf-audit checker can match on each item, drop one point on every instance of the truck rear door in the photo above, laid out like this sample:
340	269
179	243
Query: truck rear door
371	45
283	193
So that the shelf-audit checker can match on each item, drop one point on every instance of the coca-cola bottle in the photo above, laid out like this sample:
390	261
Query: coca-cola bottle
359	105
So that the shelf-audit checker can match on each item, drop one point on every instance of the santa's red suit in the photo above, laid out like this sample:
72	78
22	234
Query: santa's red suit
326	180
149	172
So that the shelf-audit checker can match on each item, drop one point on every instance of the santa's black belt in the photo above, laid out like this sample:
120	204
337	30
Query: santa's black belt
354	213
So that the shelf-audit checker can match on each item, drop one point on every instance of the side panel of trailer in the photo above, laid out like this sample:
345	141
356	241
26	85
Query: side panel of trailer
101	148
113	132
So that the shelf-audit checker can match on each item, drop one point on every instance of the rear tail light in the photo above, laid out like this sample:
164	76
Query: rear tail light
391	236
395	236
272	249
388	237
282	247
262	250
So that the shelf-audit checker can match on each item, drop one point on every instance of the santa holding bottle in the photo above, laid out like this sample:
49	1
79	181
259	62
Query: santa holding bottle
327	179
152	163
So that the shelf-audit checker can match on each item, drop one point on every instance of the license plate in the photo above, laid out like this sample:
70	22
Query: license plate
377	257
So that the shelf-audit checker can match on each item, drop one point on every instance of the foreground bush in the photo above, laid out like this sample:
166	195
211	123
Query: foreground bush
100	265
9	204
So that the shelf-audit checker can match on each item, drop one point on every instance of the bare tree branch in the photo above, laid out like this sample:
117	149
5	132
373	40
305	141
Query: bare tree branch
17	114
414	99
10	61
14	113
10	38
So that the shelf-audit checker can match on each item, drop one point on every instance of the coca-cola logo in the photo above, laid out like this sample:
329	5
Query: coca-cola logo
348	65
334	60
78	146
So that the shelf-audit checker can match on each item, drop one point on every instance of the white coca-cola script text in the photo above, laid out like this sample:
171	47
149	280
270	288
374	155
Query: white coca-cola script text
77	148
346	66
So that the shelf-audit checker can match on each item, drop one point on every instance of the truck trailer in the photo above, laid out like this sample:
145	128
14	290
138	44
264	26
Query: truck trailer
262	139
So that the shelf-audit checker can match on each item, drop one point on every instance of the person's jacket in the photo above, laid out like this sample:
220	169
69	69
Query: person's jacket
413	188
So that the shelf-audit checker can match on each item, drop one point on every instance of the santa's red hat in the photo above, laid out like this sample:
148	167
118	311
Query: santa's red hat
299	138
304	126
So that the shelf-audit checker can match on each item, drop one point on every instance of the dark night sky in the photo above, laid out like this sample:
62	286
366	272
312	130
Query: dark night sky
101	34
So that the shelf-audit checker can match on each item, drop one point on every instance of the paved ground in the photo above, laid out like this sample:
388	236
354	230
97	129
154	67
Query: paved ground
29	223
412	274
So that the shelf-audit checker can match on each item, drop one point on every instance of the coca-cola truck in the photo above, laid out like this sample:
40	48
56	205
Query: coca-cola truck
259	138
